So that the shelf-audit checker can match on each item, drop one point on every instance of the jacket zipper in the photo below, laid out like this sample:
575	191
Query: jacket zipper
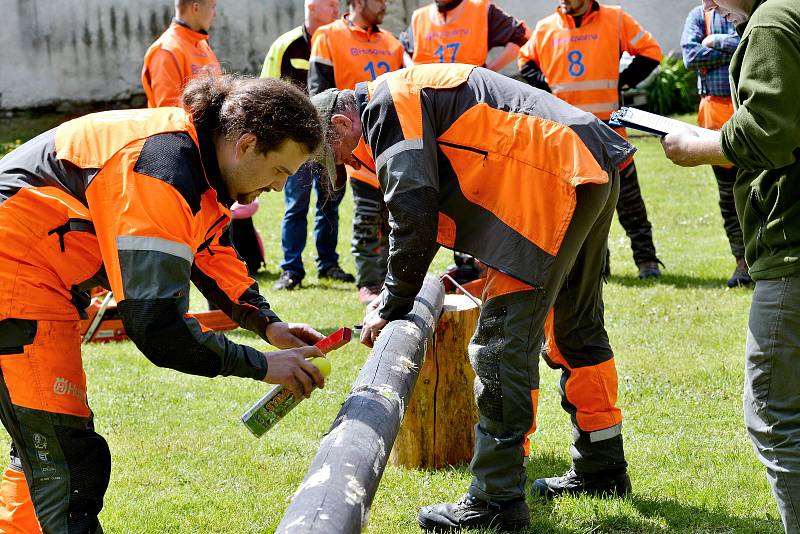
484	153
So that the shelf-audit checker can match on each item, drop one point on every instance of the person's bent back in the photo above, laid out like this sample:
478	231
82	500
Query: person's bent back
138	202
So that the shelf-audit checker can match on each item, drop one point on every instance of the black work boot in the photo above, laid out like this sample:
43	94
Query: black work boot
649	270
335	272
605	483
472	513
288	280
741	276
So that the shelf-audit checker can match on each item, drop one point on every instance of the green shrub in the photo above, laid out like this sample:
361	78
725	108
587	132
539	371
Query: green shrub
674	88
5	148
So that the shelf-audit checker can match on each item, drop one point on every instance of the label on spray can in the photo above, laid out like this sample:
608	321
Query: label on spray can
279	401
269	410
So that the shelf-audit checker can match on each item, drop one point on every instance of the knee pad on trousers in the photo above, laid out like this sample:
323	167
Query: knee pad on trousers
485	350
367	225
89	461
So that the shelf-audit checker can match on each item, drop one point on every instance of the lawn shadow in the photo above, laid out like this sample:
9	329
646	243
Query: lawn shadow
679	281
266	279
682	517
266	276
654	515
654	512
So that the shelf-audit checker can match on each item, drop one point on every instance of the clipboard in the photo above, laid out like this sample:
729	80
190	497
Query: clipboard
652	123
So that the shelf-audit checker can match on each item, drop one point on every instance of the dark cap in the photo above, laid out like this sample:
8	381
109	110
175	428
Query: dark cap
325	102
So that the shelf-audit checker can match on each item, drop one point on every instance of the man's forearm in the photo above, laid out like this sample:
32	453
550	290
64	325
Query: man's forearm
687	149
508	55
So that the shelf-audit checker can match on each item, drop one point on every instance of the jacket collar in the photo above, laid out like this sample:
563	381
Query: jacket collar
183	29
208	155
743	26
362	99
355	28
568	21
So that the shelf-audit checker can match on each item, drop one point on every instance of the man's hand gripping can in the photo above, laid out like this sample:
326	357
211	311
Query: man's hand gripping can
279	401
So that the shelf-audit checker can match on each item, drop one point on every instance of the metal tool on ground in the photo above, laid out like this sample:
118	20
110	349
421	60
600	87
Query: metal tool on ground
98	317
105	324
279	401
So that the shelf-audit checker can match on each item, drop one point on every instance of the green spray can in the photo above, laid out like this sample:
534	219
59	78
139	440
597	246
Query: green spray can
279	401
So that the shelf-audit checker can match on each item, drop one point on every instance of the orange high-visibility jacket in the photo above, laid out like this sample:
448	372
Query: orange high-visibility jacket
463	40
177	56
342	55
581	65
131	200
481	163
464	35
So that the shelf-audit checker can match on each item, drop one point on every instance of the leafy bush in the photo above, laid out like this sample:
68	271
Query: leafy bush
5	148
674	88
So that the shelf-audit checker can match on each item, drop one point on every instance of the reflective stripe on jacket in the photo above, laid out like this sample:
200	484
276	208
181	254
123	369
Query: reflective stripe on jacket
288	57
480	163
177	56
581	65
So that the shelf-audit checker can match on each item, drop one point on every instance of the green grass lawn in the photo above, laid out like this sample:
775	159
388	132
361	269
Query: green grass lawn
17	130
182	461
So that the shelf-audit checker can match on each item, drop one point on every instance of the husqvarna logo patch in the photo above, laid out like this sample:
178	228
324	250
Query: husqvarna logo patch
62	386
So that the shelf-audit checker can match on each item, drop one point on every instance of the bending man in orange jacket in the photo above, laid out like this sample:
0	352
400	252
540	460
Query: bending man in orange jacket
447	180
138	202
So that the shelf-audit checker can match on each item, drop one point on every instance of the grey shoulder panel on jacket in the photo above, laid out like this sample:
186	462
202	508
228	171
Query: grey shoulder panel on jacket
36	164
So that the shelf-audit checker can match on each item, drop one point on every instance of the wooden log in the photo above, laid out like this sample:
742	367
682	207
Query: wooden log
337	491
439	427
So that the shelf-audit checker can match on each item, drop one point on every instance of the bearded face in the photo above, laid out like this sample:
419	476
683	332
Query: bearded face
446	5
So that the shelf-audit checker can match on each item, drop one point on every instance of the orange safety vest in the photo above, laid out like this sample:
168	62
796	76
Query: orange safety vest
177	56
581	65
461	38
521	156
356	55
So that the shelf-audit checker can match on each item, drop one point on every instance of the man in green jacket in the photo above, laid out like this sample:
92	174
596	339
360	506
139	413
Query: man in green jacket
762	139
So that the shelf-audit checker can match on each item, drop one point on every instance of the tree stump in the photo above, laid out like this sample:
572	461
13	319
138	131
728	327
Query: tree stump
438	428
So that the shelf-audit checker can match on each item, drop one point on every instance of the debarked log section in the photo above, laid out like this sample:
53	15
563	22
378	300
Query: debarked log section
336	493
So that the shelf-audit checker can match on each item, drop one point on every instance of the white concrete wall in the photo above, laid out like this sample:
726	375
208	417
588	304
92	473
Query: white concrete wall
664	19
53	51
80	51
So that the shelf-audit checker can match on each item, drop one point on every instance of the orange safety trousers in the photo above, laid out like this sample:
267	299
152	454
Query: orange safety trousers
507	343
714	112
60	467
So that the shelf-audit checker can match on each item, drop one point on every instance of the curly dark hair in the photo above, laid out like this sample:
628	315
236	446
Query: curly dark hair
273	110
